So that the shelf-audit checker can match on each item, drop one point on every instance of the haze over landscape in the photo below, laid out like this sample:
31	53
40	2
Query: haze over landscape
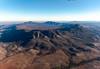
49	34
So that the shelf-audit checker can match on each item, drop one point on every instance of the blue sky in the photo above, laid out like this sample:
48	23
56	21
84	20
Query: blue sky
81	10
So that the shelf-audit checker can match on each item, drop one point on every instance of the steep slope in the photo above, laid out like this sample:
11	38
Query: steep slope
49	45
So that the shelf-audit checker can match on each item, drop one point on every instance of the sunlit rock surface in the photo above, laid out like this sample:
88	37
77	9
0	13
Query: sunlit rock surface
49	45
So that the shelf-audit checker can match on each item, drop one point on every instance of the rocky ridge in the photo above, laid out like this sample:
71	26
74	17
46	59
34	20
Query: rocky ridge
49	45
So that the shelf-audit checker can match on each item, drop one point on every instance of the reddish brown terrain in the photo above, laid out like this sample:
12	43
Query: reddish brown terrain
49	45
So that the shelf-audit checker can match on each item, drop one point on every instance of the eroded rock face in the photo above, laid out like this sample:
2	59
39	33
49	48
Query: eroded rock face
57	46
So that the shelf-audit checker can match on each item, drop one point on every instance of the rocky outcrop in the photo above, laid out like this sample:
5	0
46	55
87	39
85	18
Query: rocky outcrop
57	46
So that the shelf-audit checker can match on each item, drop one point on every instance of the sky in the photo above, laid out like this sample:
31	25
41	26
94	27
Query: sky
49	10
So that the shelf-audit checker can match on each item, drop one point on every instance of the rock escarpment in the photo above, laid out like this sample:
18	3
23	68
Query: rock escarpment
49	46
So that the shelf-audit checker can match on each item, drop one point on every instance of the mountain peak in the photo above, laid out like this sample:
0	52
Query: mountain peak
33	44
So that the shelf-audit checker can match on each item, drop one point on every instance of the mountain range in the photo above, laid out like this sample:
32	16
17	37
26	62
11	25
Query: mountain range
50	45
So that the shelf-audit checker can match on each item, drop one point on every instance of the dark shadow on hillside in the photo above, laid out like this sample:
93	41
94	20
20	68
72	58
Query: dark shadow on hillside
14	35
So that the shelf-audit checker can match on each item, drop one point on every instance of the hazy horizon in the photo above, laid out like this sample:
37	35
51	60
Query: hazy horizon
72	22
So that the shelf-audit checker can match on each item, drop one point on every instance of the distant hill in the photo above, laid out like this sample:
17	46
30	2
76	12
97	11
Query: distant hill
49	45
